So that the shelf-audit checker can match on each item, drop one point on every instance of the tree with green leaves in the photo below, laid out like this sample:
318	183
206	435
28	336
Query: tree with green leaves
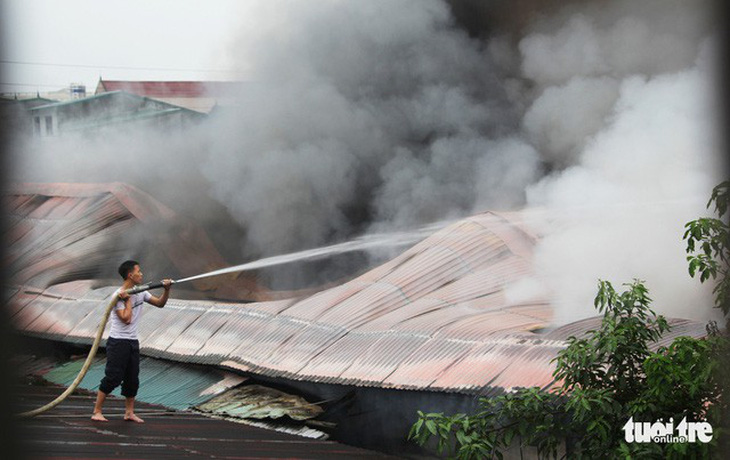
708	246
610	375
606	377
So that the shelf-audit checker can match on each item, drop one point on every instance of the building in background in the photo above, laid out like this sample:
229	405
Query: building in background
109	110
14	113
199	96
115	104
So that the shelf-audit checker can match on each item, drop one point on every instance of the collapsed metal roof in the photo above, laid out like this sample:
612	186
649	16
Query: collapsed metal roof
434	318
59	232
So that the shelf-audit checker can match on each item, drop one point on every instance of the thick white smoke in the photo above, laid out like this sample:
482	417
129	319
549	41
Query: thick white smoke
563	118
627	105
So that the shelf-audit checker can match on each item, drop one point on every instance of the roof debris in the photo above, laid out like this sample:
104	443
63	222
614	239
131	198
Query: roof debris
258	402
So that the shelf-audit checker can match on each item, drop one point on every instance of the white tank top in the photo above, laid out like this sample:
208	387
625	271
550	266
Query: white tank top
121	330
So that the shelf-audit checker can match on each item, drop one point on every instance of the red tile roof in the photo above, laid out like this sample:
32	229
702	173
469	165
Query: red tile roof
154	89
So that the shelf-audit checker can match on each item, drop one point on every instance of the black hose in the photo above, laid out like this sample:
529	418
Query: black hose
145	287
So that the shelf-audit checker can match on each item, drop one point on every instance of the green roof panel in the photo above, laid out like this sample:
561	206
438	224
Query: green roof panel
161	382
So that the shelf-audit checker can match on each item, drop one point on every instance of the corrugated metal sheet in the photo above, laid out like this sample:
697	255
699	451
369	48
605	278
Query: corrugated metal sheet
26	365
68	433
181	386
434	318
67	232
165	383
258	402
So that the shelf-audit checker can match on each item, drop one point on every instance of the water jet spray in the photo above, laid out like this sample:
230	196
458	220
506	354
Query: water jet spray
395	239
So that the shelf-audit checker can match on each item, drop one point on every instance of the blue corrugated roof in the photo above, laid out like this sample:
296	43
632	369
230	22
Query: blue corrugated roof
161	382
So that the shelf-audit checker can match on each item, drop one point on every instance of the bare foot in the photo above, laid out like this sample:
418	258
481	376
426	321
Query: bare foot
99	417
133	418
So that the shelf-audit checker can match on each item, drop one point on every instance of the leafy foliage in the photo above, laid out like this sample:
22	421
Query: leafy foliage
708	246
607	376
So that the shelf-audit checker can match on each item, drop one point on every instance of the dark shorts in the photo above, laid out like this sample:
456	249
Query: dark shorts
122	366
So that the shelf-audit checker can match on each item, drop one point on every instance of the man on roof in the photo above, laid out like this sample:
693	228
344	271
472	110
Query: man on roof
122	346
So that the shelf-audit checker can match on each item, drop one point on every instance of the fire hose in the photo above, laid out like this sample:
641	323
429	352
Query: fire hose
355	245
266	262
92	352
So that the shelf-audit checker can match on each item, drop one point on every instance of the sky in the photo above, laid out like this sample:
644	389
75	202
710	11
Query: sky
131	39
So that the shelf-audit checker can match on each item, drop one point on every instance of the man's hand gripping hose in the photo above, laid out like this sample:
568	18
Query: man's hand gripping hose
92	352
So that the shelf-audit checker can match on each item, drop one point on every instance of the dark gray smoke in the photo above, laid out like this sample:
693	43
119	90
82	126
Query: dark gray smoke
363	113
363	116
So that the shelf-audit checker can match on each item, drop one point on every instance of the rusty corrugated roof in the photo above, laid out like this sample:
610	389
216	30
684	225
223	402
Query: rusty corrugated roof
60	232
434	318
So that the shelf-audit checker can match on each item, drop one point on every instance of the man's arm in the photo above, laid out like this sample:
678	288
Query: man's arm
160	302
126	313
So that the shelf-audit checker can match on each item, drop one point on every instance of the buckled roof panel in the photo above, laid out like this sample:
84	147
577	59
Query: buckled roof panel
436	317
